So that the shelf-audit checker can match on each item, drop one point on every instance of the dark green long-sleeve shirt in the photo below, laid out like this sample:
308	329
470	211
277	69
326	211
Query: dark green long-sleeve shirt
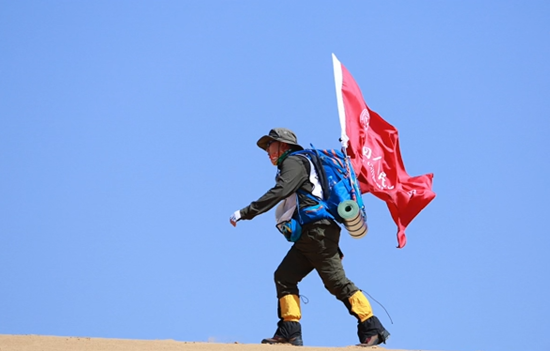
293	174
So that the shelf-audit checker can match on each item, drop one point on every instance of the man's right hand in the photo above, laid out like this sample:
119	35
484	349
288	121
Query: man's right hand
235	217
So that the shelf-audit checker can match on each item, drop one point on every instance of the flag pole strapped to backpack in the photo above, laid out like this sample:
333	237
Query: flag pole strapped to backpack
354	215
341	195
353	211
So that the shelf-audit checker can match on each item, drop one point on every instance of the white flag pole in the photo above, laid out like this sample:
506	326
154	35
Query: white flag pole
338	80
344	139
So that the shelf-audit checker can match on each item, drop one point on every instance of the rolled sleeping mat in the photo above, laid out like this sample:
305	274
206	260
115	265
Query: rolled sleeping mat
353	220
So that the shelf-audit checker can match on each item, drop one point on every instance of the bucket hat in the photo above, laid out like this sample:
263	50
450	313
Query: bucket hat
283	135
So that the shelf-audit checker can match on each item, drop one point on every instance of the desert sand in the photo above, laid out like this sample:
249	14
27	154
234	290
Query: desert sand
60	343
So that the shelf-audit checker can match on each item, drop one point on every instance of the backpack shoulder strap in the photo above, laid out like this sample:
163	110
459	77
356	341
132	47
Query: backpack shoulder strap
318	164
316	175
303	158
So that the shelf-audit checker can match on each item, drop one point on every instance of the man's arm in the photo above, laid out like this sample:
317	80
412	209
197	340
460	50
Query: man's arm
291	176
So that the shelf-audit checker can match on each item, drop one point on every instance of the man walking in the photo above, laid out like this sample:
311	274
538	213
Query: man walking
316	248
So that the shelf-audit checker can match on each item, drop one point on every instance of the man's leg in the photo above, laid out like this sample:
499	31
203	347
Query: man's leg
322	250
290	272
319	243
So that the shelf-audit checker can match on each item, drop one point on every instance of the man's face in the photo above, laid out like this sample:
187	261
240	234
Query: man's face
275	149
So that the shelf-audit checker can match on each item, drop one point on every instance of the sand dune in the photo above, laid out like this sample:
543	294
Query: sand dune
60	343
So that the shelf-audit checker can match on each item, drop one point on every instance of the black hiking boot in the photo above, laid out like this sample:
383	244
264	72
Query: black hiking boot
371	332
375	339
296	341
286	333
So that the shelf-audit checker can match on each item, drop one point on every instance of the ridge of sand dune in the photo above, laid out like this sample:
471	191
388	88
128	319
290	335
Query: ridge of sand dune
61	343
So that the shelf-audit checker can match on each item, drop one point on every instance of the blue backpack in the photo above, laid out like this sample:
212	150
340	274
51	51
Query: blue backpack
339	184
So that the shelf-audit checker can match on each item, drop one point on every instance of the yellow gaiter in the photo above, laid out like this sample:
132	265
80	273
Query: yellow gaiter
290	308
360	306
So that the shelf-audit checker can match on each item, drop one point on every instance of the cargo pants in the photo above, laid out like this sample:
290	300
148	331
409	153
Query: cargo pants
316	249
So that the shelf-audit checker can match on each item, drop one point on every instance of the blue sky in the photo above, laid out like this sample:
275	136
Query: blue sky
127	138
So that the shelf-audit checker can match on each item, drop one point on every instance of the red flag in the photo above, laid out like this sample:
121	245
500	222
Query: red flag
373	146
